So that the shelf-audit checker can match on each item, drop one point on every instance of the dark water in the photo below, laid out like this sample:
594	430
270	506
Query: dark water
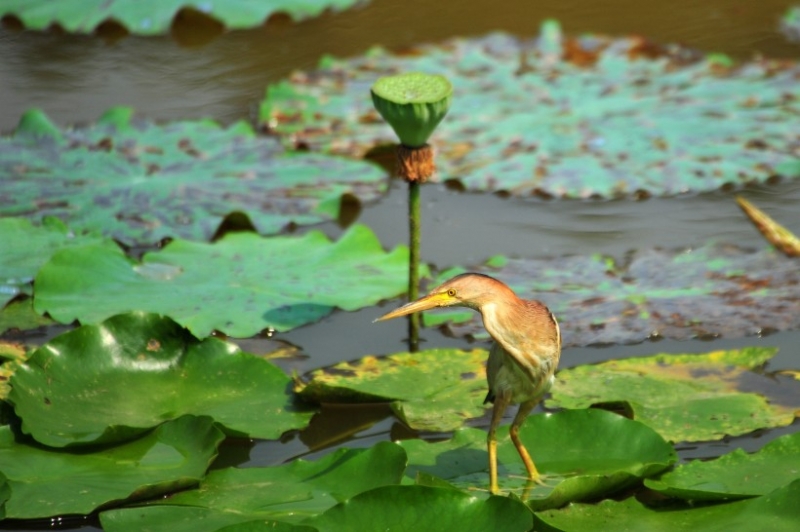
75	78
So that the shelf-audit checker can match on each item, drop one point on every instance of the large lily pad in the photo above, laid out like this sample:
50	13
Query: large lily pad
436	389
153	17
47	482
778	511
735	475
240	285
287	493
26	247
110	382
582	454
692	397
715	290
571	117
414	508
140	182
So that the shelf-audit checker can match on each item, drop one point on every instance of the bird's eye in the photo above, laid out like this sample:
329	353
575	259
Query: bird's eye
451	292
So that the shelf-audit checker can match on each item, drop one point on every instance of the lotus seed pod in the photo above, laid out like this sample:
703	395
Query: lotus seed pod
413	104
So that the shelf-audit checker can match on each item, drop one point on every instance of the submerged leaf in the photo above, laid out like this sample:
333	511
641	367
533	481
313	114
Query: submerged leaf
239	285
449	385
572	117
692	397
141	182
715	290
582	454
111	382
51	482
735	475
155	17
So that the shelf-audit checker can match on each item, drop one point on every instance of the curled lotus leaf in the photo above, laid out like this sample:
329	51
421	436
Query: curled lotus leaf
140	182
566	117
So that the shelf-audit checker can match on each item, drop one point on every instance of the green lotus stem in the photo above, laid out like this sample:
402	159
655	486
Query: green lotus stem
414	223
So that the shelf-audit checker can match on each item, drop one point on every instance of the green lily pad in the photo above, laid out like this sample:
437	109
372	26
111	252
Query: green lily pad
21	316
449	385
735	475
566	117
47	482
266	526
140	182
790	23
111	382
26	247
240	285
414	508
583	454
692	397
155	17
715	290
287	493
778	511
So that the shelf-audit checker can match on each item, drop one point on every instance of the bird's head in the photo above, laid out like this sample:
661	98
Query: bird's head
471	290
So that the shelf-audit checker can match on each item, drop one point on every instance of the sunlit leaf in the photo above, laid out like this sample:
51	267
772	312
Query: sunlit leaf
715	290
240	285
49	482
582	454
692	397
113	381
435	389
414	508
778	236
735	475
287	493
777	511
573	117
25	247
11	356
154	17
140	182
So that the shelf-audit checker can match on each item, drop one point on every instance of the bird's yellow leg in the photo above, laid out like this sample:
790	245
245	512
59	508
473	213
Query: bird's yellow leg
500	404
524	409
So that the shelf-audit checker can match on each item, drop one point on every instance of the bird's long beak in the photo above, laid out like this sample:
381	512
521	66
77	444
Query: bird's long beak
424	303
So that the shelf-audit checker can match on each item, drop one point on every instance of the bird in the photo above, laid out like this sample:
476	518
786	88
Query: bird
522	360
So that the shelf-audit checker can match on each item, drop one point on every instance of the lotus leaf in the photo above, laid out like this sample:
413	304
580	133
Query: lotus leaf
414	508
113	381
26	247
735	475
715	290
777	511
583	454
21	316
154	17
140	182
567	117
266	526
449	385
287	493
241	284
691	397
50	482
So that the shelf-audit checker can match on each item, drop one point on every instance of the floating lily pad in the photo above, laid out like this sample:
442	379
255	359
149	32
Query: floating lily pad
414	508
778	511
240	285
582	454
154	17
692	397
567	117
436	389
790	23
47	482
111	382
287	493
21	316
715	290
140	182
736	475
26	247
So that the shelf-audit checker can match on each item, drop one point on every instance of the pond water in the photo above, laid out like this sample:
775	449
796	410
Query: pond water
75	78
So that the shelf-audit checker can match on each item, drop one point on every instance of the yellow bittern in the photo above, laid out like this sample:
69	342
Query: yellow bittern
523	359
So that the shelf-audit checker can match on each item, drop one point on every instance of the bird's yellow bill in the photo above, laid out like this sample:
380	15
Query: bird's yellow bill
424	303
